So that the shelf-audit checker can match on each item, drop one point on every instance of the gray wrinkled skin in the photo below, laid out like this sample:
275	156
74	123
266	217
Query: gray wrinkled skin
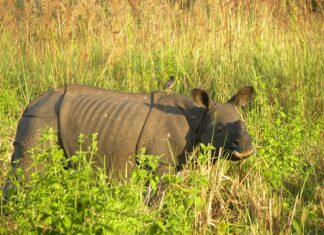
169	127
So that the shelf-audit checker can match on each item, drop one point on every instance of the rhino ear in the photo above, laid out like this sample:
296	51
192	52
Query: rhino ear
243	96
200	97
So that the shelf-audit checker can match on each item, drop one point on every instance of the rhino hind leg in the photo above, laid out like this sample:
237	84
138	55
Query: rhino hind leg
28	135
40	114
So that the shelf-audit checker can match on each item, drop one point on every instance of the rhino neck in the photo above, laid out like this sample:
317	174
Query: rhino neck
176	104
195	116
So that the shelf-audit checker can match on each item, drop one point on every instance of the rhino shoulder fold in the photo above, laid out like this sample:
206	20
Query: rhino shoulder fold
181	105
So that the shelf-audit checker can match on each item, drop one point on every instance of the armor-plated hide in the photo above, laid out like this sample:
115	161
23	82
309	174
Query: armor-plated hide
164	123
117	119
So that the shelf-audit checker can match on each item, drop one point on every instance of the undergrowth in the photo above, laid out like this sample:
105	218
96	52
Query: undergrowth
202	198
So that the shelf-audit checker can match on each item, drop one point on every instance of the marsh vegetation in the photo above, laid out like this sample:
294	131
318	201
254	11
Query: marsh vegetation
276	46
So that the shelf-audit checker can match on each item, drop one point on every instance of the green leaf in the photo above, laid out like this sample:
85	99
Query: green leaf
297	227
67	222
48	221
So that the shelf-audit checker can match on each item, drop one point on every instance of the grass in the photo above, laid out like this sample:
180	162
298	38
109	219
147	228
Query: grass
220	46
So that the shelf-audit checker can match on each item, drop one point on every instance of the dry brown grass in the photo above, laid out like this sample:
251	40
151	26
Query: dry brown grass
40	23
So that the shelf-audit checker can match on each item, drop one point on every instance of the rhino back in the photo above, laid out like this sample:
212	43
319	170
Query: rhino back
117	119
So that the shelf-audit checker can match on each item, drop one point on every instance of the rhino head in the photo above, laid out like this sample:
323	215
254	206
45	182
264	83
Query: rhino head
222	125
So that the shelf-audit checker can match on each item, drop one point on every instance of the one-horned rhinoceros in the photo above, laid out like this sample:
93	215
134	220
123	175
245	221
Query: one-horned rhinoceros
166	124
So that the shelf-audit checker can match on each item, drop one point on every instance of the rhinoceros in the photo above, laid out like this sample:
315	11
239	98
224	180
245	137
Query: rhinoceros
166	124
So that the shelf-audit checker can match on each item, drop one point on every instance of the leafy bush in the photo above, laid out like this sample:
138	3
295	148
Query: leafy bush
78	200
281	157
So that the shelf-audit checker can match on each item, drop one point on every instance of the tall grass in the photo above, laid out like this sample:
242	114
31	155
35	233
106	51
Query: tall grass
277	46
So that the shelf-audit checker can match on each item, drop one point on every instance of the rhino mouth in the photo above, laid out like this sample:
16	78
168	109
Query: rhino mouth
242	155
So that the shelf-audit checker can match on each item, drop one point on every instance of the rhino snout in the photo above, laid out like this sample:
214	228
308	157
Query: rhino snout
242	155
242	148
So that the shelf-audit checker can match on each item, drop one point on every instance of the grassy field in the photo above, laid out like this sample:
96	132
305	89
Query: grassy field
276	46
